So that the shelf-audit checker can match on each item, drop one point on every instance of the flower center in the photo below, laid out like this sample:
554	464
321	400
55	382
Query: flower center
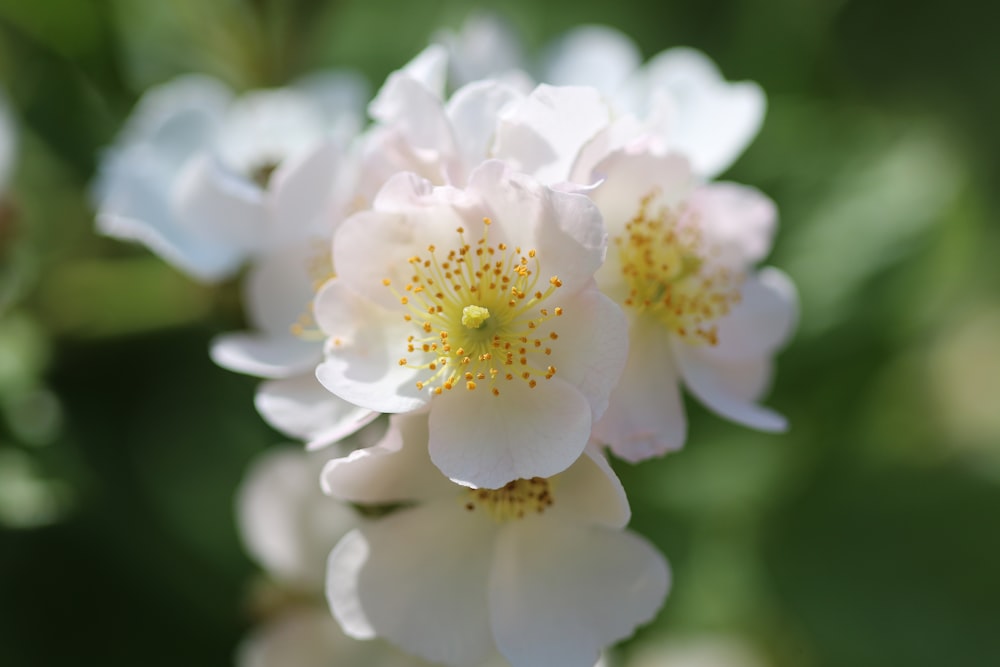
669	276
514	500
480	315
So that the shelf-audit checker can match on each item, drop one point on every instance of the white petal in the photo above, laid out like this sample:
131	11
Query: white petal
716	119
729	389
561	591
631	177
372	246
134	204
287	524
396	469
266	127
739	221
280	285
265	355
761	322
362	361
592	346
590	490
178	118
301	189
596	56
219	204
481	440
645	417
429	68
484	47
473	111
417	578
301	407
564	228
543	135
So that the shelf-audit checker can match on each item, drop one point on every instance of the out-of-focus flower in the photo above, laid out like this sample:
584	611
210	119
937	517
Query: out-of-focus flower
481	302
288	527
679	92
485	47
207	180
681	263
540	569
287	524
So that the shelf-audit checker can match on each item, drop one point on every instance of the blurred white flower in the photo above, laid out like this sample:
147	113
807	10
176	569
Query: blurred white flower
481	302
681	262
287	524
680	92
540	569
208	180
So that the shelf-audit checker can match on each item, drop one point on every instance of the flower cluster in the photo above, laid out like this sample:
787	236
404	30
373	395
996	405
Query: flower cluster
523	274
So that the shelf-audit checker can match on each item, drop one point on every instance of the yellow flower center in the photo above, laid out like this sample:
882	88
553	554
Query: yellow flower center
668	277
514	500
480	315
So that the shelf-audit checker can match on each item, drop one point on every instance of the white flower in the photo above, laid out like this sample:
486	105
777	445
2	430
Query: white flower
207	180
8	142
680	261
482	303
540	569
679	91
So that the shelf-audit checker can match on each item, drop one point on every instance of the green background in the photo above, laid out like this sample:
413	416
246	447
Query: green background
865	537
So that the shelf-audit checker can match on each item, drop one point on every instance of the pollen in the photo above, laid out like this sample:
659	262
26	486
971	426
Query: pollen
476	308
670	275
514	500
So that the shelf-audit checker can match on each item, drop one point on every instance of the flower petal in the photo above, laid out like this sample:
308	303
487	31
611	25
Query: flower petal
565	229
359	365
301	407
729	389
561	591
222	205
396	469
542	135
592	346
417	579
645	417
716	119
301	189
481	440
592	55
287	524
761	322
265	355
133	204
739	221
590	490
473	111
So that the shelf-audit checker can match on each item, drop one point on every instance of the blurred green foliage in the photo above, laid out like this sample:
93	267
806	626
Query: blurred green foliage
866	537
